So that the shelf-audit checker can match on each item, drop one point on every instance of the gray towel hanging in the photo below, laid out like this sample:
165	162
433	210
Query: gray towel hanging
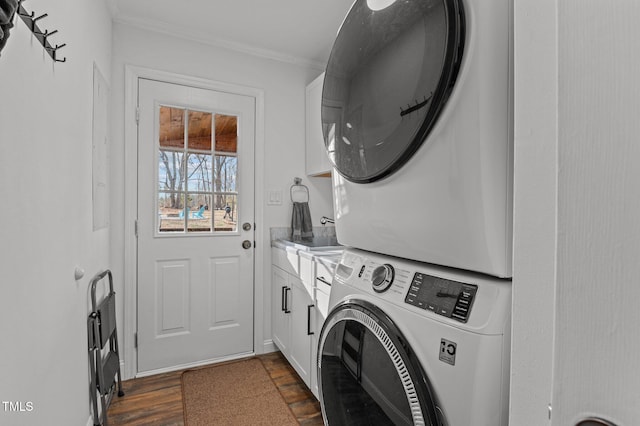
301	228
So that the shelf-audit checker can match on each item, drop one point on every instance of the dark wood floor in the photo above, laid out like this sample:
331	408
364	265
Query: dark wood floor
157	400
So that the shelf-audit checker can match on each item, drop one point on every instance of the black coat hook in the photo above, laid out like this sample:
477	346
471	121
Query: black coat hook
26	15
34	28
31	21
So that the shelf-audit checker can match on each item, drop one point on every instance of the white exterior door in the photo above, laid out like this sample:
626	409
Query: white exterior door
195	221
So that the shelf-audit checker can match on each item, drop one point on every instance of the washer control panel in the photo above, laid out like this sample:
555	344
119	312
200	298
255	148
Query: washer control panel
440	294
448	298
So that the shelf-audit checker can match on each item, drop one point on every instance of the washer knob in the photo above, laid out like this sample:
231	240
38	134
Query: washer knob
382	277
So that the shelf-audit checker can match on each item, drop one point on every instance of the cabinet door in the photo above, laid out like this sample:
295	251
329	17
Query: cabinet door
280	298
320	313
300	343
314	353
317	161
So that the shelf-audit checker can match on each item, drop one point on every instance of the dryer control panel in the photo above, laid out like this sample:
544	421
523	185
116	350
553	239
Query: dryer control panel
448	298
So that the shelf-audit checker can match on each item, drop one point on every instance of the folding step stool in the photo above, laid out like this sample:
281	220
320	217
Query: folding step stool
101	328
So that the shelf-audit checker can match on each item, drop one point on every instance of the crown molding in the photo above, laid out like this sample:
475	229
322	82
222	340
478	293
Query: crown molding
191	35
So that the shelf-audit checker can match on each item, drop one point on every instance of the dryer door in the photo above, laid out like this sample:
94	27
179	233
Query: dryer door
367	374
389	75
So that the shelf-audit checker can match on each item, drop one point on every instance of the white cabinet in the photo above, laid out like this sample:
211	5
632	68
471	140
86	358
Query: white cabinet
321	307
300	286
317	162
323	275
293	313
280	318
301	337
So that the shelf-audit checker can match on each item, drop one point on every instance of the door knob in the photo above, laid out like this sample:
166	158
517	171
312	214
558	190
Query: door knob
246	244
246	226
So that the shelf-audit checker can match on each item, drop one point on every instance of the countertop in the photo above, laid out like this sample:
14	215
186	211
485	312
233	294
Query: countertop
324	250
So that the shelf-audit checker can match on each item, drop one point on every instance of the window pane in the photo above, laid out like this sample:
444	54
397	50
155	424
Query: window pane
170	171
199	217
200	130
170	212
171	127
226	171
226	133
226	212
199	172
197	190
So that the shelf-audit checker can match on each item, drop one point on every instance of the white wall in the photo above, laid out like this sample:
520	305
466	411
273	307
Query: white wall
284	88
596	332
46	215
584	275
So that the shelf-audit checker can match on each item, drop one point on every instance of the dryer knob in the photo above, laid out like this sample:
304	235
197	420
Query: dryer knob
382	277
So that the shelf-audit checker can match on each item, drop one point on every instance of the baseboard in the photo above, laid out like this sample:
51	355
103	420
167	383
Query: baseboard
194	364
123	371
268	346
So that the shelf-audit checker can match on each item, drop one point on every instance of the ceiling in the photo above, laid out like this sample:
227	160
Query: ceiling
297	31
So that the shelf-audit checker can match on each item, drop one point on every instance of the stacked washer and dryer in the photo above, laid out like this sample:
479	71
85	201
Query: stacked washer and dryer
416	115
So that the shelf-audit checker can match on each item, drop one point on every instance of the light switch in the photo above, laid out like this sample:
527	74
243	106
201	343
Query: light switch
274	197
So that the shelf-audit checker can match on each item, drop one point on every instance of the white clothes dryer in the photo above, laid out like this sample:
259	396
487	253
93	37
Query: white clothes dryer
409	343
417	120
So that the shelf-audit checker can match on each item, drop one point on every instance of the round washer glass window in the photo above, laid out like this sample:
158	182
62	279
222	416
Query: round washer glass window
391	70
368	375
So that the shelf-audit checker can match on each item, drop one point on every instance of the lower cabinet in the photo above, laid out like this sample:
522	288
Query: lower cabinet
322	291
293	319
280	313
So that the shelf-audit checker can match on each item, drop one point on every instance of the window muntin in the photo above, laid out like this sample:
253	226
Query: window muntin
197	172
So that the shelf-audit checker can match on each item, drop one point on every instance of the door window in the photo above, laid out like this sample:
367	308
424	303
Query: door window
197	171
389	75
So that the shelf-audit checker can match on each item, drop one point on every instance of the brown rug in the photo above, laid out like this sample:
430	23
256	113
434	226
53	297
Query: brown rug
234	393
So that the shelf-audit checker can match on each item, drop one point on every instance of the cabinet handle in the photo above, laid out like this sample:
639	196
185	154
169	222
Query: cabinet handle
309	332
323	280
286	301
282	298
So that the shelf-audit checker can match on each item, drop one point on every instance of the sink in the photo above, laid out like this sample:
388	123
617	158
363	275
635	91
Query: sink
318	243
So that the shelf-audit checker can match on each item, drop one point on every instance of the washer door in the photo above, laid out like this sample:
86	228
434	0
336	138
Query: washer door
367	373
389	75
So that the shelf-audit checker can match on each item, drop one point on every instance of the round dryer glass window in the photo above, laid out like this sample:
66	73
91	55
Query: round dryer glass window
391	70
367	375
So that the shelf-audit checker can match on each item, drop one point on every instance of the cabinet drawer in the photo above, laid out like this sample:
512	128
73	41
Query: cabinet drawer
324	273
286	259
322	300
306	269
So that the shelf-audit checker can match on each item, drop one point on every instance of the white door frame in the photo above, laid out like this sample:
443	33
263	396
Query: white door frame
132	75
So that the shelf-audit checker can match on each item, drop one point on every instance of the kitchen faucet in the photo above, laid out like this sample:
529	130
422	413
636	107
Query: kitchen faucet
324	220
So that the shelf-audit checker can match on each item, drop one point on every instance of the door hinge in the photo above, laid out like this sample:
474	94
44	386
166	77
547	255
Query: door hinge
135	340
135	227
137	115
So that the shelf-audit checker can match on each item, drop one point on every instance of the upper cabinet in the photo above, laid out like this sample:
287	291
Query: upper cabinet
317	162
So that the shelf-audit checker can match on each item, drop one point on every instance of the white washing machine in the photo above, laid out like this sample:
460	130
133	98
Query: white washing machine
417	118
409	343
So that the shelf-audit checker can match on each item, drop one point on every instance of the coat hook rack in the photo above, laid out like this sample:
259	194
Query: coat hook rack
31	21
